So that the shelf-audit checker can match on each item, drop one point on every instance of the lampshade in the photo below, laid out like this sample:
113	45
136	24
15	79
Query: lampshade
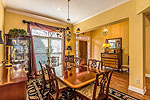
9	43
108	45
67	29
69	48
104	45
1	41
78	31
57	30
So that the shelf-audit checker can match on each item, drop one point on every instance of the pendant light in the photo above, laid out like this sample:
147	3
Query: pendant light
68	33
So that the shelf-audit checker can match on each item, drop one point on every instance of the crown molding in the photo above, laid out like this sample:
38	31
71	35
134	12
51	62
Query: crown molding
118	4
4	3
36	16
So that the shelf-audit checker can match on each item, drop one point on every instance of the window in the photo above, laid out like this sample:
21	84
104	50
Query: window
46	44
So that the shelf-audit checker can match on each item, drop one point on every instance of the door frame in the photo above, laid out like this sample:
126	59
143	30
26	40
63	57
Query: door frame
82	38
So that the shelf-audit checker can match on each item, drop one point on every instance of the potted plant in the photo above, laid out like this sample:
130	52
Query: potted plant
14	32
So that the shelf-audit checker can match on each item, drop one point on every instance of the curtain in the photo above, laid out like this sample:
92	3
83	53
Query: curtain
32	60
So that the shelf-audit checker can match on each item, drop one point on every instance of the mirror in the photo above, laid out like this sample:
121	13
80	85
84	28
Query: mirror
116	43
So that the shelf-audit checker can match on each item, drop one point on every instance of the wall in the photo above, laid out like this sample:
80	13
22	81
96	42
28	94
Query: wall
127	10
13	20
1	46
142	5
147	43
120	30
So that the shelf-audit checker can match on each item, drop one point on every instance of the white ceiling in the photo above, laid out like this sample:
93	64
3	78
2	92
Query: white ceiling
79	9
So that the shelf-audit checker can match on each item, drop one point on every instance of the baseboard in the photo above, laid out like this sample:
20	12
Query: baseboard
147	75
140	91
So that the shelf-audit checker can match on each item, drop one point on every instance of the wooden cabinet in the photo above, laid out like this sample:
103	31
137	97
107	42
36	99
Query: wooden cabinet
13	85
113	60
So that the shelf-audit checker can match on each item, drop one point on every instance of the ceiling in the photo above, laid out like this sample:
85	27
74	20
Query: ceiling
80	10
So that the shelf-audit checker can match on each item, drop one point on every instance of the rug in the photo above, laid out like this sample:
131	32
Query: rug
34	92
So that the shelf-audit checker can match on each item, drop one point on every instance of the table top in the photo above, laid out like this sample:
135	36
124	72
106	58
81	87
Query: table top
75	77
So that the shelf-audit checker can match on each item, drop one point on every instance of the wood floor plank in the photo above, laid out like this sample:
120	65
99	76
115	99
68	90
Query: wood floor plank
120	81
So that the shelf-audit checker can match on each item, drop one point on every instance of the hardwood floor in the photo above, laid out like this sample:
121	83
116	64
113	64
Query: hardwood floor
120	81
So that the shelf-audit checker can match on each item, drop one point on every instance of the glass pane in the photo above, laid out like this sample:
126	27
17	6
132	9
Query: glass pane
56	46
77	53
39	32
42	58
40	45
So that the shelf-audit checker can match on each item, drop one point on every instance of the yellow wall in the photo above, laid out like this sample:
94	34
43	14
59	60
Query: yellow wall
147	45
142	5
1	46
13	20
1	28
127	10
120	30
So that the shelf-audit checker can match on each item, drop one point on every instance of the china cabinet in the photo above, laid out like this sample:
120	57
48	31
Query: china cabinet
19	52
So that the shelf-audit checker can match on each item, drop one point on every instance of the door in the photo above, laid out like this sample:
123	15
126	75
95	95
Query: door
83	52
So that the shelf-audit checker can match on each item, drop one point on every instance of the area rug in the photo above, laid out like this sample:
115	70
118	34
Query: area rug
34	92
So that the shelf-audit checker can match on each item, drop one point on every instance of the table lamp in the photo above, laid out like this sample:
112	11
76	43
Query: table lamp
9	45
69	49
106	45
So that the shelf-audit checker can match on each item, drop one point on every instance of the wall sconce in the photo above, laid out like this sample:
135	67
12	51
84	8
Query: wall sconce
105	31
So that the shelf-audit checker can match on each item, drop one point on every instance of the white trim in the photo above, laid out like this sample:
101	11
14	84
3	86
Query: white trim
36	16
138	90
121	2
147	75
1	65
4	3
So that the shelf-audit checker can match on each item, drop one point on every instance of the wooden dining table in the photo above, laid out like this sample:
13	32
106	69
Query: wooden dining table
75	77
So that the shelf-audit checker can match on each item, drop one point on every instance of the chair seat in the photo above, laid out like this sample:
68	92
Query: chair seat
60	84
87	91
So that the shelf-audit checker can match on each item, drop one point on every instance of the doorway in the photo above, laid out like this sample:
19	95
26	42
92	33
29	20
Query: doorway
83	51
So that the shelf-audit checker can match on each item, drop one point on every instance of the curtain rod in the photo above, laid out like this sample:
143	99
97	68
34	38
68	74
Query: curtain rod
24	21
28	22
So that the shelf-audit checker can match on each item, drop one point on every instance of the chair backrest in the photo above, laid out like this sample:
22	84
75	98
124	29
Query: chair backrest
93	63
103	82
77	61
53	61
53	83
43	71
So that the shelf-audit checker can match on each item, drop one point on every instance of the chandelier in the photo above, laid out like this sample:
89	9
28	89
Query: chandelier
67	34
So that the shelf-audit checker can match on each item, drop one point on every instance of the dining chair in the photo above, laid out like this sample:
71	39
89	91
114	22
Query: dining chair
77	61
94	64
43	74
97	91
69	60
56	86
53	61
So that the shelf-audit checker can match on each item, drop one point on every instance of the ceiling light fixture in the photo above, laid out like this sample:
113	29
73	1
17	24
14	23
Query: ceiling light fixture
68	34
59	9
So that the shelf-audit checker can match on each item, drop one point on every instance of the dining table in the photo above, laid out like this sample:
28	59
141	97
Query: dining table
75	77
